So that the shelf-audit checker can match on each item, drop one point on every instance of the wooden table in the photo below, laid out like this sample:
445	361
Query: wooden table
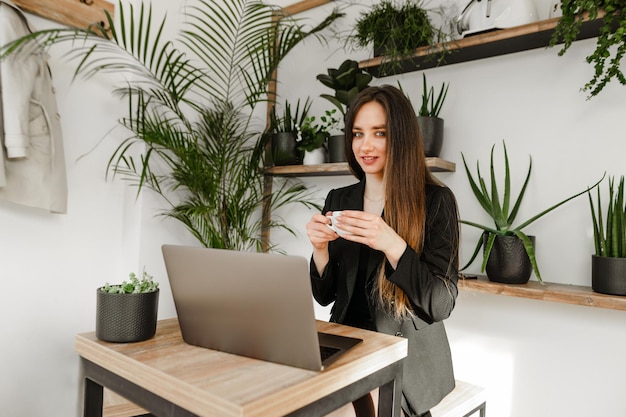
170	378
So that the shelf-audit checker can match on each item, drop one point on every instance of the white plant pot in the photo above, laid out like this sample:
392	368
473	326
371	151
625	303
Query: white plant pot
314	157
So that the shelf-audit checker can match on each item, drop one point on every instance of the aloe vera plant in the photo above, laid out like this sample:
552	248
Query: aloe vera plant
609	234
501	211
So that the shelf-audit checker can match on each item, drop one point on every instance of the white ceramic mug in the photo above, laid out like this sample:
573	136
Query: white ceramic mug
333	219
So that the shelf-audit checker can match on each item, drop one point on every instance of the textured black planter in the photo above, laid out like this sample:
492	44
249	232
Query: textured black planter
432	134
122	318
336	149
283	148
508	261
608	275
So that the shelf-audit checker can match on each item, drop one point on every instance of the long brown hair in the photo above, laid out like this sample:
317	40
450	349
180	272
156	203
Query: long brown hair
405	175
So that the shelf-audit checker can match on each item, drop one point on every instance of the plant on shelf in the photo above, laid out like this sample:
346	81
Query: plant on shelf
607	58
127	312
431	125
283	132
503	216
396	29
194	137
431	107
608	265
313	135
348	80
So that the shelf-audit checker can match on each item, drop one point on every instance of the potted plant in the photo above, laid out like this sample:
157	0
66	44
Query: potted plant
508	252
192	136
127	312
396	29
283	132
608	265
606	59
431	125
347	81
313	136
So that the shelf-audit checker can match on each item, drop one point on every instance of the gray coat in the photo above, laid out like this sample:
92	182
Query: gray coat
430	281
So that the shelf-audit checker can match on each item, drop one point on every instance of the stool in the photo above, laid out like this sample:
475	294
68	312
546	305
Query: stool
465	400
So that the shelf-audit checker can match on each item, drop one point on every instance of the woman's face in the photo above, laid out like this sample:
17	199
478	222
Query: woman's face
369	138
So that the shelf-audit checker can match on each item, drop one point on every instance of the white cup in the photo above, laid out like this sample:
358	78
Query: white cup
333	219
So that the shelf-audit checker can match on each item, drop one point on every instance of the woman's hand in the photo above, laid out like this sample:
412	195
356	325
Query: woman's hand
319	232
371	230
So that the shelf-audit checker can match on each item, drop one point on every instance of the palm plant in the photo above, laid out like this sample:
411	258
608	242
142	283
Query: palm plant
191	105
501	212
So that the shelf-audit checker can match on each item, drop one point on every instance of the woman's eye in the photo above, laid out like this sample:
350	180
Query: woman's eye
357	134
381	133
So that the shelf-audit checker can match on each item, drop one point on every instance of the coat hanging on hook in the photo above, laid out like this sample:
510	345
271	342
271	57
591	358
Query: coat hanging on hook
33	161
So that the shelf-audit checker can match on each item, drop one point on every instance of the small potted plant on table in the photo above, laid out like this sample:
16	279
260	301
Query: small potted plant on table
127	312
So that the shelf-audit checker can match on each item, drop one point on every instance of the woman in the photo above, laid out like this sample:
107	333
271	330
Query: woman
395	267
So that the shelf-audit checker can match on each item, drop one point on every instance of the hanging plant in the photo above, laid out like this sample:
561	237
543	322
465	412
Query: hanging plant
611	42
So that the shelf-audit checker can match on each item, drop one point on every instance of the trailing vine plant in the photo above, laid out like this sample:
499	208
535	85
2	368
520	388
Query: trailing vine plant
611	42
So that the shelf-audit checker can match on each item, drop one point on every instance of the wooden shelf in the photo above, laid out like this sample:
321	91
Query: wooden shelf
495	43
341	168
558	293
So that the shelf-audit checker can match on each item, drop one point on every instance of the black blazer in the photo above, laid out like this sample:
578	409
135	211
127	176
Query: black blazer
430	281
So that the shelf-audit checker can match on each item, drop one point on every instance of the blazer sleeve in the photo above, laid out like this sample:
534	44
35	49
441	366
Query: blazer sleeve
430	279
324	287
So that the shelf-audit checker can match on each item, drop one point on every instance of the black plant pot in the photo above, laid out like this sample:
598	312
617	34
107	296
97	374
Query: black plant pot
508	261
608	275
432	134
283	149
123	318
336	149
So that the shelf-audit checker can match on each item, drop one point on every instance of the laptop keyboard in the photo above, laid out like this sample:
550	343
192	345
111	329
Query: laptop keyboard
327	351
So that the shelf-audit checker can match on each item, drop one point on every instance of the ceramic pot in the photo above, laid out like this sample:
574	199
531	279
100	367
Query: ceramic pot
315	157
336	149
432	134
283	149
508	261
123	318
608	275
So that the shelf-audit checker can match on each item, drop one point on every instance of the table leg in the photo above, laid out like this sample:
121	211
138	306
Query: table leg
390	399
96	378
92	404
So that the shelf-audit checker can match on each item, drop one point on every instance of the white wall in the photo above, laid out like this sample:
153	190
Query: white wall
536	358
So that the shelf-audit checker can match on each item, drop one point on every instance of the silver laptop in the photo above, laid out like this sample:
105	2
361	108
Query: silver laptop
251	304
